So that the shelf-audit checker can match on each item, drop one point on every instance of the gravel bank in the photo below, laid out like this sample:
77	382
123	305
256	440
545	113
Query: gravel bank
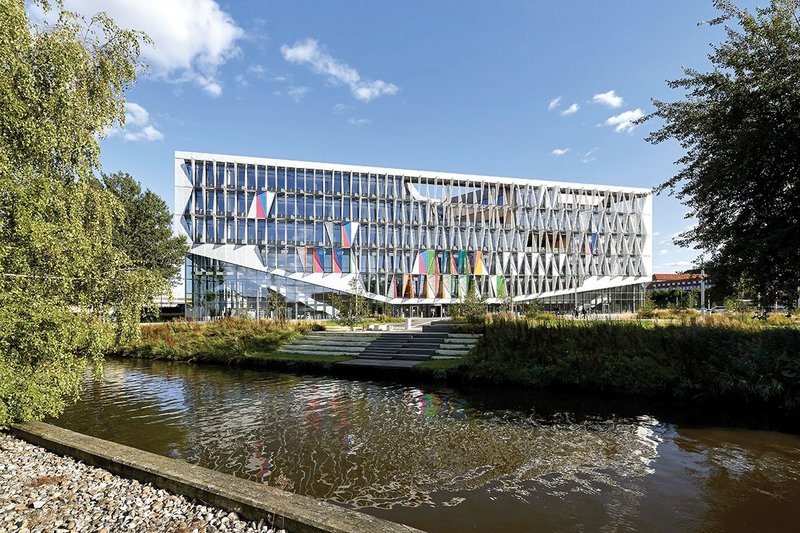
43	492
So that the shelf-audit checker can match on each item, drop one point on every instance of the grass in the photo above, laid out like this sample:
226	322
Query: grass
228	341
722	358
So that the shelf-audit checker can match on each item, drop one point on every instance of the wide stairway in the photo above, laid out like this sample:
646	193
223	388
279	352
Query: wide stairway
393	349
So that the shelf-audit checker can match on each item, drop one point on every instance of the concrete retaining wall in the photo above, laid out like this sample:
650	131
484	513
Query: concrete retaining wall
253	501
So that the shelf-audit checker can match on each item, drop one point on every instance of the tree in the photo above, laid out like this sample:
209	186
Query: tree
740	125
352	306
144	233
61	277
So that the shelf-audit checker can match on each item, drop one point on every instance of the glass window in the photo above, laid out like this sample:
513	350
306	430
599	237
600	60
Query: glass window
198	200
220	202
251	230
271	180
209	229
317	207
261	175
290	233
281	178
337	181
251	176
210	201
364	184
329	207
240	182
318	233
230	172
231	230
373	184
346	208
220	175
241	208
291	184
281	205
328	175
318	182
337	209
220	229
271	231
281	231
346	261
261	228
290	206
240	230
328	261
346	183
187	167
198	172
209	174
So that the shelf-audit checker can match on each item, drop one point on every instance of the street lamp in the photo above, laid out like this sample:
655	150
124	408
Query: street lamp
702	286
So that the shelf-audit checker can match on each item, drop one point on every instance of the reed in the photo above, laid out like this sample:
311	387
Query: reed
718	359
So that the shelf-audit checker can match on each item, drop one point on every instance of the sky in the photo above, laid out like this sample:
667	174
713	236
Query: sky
529	89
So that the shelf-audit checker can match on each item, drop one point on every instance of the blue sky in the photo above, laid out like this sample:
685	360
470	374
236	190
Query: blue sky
527	89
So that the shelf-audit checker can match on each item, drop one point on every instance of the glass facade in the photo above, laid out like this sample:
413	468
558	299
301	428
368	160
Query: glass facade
409	238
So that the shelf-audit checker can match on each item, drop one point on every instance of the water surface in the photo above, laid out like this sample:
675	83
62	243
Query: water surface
443	460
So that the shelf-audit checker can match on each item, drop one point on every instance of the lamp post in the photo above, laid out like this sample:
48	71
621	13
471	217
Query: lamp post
702	286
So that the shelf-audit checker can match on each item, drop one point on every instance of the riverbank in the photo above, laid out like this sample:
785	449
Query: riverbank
42	491
718	360
232	341
744	361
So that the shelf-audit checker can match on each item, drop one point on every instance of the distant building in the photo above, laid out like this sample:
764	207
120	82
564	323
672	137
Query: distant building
271	236
686	282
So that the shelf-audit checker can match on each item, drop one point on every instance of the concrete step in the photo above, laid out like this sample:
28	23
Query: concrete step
311	352
460	340
466	335
325	349
367	355
455	353
412	357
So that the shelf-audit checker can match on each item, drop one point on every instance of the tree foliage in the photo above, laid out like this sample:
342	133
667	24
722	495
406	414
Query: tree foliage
353	307
739	124
61	87
144	231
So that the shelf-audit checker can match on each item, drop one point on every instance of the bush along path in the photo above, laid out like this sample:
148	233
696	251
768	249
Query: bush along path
228	341
732	361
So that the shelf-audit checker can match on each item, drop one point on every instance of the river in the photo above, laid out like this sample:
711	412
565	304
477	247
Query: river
445	460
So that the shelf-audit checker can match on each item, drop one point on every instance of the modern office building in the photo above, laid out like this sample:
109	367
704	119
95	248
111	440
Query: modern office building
274	237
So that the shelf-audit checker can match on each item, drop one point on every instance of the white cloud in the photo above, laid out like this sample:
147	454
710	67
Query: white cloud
571	110
297	93
656	233
256	70
589	156
359	121
678	264
624	122
663	252
340	108
554	103
610	99
309	52
191	38
241	80
138	127
558	152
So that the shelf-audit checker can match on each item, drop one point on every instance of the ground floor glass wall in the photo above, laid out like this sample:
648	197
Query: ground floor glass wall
217	289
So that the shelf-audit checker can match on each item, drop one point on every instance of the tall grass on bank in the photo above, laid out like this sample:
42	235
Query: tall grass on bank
721	359
217	341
